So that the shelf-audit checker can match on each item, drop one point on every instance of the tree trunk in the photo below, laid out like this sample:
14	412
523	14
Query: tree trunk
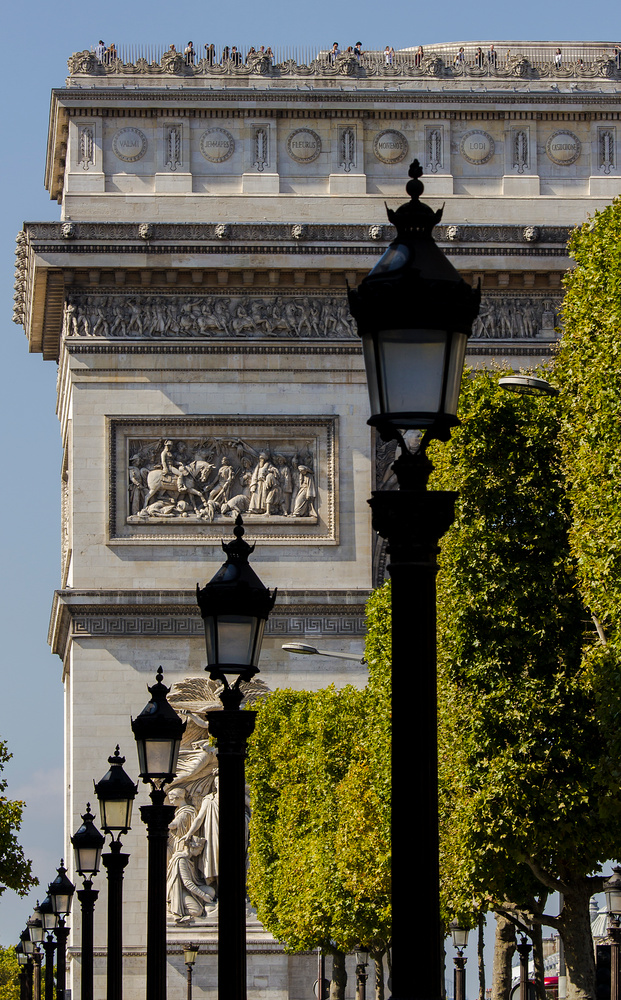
537	938
379	976
504	948
480	956
575	928
339	976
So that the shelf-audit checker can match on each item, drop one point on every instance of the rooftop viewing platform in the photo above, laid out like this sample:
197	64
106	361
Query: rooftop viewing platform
585	65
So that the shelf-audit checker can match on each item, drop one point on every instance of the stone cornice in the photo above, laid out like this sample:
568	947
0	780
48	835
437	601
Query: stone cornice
174	614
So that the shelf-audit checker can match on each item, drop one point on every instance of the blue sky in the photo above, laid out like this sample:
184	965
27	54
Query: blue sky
38	37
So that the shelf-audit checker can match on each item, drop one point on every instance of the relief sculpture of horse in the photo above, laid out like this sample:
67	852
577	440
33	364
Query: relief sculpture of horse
185	484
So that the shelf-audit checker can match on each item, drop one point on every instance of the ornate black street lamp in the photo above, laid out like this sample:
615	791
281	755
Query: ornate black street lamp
61	892
87	844
235	606
34	926
50	922
524	949
189	957
22	961
362	961
28	949
414	315
116	793
612	889
460	941
157	731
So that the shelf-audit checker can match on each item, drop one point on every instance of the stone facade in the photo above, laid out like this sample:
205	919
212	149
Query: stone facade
194	297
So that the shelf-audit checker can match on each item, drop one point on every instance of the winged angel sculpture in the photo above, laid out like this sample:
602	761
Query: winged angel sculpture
193	847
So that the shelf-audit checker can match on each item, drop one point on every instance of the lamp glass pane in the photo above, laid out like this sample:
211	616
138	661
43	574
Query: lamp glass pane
50	921
28	946
235	642
455	370
408	368
613	900
116	814
87	860
36	931
61	903
160	757
460	937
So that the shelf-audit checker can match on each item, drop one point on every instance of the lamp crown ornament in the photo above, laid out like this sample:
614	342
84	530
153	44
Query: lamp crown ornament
414	217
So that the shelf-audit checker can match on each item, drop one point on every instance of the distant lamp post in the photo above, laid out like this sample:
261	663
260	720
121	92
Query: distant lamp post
305	649
157	731
414	314
22	961
28	949
189	957
460	941
49	921
115	793
612	889
524	949
34	926
87	844
61	892
362	961
235	606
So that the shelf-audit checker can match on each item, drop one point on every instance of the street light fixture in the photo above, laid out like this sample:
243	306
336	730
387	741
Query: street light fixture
235	606
189	957
527	385
362	961
60	892
460	941
414	314
302	647
116	793
157	731
87	844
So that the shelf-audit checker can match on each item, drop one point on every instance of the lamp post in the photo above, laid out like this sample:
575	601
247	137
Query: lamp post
235	606
115	793
28	950
524	950
414	315
22	961
87	843
189	957
50	922
362	961
34	926
157	731
612	889
460	941
61	892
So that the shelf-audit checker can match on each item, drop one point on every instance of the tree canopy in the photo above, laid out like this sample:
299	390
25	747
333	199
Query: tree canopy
15	870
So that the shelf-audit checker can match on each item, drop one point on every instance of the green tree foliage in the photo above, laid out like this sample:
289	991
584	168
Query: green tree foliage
319	855
588	372
15	870
530	789
9	974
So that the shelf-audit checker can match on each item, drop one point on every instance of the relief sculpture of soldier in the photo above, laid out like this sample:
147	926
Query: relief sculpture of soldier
187	483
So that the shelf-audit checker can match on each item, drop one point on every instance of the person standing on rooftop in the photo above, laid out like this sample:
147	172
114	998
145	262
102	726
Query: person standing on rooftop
189	54
100	50
334	52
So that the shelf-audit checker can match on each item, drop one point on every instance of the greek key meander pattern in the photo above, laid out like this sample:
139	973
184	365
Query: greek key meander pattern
186	626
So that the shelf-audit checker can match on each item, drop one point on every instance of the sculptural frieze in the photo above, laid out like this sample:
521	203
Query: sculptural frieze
161	316
522	317
214	480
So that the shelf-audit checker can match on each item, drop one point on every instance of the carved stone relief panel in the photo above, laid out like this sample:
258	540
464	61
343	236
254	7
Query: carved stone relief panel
347	148
434	148
606	149
86	146
129	144
172	151
390	146
520	150
563	148
517	317
261	147
303	145
162	316
185	479
217	145
477	147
